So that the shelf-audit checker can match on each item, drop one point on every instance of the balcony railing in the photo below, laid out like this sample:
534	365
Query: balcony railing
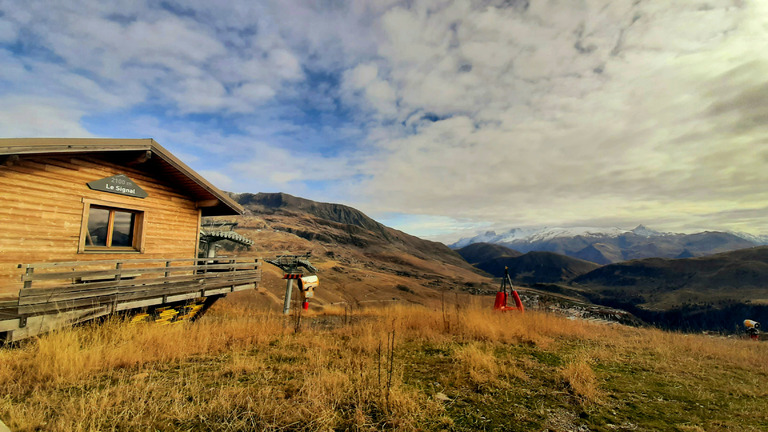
127	284
61	293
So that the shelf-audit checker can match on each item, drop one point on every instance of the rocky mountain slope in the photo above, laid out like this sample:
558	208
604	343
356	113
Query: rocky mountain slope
360	260
603	246
340	224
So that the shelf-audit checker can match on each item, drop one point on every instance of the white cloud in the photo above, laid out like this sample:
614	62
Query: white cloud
155	54
286	64
273	168
8	32
557	114
362	85
510	112
39	118
436	228
255	92
363	75
218	179
199	95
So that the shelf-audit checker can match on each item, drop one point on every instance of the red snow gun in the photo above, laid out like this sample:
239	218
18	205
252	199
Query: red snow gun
505	292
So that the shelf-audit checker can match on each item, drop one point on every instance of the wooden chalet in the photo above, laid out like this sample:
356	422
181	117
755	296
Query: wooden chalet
90	227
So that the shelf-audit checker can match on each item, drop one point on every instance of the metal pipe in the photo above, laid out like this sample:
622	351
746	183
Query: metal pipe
288	292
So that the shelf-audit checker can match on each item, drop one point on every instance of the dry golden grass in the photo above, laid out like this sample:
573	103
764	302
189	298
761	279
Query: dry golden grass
478	363
240	369
581	379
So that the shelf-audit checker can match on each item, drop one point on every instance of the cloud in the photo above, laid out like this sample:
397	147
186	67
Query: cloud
362	85
178	60
508	113
220	180
431	227
39	118
559	113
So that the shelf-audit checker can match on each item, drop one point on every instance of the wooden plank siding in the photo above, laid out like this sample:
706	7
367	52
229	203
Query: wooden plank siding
41	211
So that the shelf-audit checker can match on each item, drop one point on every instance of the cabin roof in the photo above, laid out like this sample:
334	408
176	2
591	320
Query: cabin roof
161	161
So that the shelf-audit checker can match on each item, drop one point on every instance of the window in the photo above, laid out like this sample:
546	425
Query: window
111	229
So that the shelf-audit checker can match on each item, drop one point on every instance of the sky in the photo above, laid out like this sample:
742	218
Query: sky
439	118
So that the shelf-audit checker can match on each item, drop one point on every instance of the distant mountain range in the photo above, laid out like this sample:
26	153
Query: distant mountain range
714	292
363	261
606	246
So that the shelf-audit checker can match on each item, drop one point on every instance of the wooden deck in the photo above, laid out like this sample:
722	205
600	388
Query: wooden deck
61	293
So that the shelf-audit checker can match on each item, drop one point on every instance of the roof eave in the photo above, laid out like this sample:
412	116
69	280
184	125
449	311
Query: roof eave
22	146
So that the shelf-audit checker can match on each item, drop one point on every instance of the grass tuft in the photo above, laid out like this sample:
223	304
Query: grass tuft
581	380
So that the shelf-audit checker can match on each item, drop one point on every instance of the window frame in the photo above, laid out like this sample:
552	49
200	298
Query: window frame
139	223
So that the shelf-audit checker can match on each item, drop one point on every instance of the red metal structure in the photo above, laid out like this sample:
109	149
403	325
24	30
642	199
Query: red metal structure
505	291
752	329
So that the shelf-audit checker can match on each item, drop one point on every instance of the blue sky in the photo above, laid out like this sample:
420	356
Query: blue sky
441	118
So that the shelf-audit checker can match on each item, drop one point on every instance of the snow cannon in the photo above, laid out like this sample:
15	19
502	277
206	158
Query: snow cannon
752	329
307	285
505	291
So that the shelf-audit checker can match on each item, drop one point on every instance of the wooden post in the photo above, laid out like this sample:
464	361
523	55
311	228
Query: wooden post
28	282
167	272
118	276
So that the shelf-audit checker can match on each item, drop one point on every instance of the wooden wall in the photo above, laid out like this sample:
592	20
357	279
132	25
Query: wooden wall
41	210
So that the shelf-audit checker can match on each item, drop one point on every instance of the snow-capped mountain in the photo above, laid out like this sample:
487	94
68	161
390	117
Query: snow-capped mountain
608	245
643	231
549	233
759	240
492	237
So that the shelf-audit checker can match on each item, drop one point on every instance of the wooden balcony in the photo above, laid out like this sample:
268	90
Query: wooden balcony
61	293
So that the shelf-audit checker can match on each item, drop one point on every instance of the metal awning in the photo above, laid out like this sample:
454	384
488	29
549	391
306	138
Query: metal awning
212	236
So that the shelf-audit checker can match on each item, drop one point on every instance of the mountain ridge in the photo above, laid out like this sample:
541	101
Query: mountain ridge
606	246
537	267
359	260
479	252
354	227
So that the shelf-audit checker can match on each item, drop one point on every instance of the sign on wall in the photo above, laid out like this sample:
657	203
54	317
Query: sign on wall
118	184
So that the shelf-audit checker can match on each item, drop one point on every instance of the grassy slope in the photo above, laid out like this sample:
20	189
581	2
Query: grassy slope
462	369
